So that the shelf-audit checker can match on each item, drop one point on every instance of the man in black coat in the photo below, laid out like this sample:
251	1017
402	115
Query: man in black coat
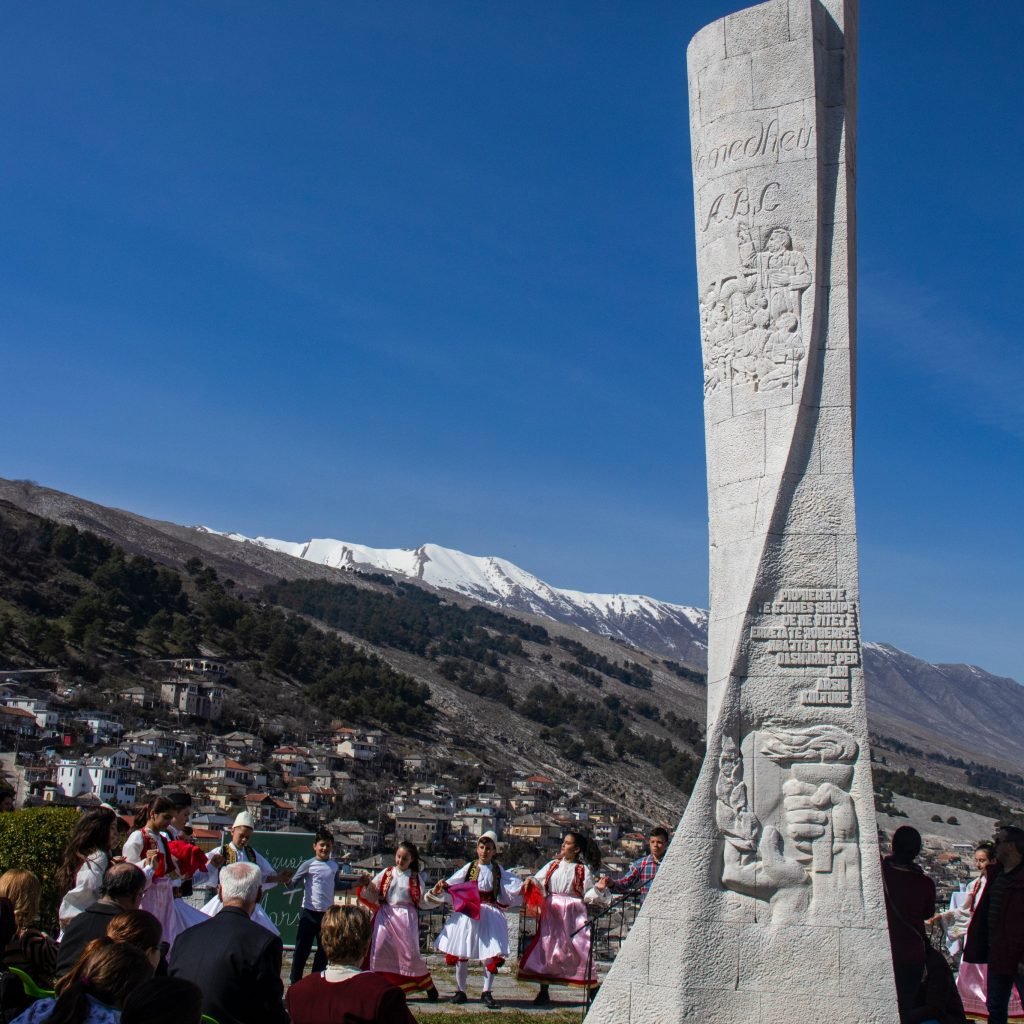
123	885
235	962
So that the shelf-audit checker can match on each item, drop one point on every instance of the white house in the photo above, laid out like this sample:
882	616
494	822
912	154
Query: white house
108	776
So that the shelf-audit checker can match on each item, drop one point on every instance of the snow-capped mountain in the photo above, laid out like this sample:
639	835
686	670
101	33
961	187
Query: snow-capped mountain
669	629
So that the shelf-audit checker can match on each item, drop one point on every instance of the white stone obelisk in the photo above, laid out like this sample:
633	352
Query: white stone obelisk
768	907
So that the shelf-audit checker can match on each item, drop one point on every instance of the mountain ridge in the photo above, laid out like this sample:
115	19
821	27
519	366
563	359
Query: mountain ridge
658	626
952	710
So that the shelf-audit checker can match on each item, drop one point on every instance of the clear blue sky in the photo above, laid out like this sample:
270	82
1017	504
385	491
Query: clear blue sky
399	272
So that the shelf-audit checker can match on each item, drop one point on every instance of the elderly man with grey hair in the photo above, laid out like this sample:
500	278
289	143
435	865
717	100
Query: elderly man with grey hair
235	962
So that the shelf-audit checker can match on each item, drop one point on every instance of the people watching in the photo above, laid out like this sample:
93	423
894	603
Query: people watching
996	933
141	929
29	949
343	992
236	962
164	1001
95	989
909	903
123	885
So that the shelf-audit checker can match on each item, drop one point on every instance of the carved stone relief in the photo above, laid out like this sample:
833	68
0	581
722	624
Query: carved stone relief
751	322
792	841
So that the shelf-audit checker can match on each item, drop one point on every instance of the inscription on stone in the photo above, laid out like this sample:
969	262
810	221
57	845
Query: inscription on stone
813	629
765	139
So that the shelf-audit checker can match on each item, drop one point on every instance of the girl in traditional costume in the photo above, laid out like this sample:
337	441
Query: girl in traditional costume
394	952
86	858
559	954
476	929
972	979
147	848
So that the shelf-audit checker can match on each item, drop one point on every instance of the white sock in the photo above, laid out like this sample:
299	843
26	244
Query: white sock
461	975
488	980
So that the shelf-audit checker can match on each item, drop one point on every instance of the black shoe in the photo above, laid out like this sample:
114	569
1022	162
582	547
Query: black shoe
488	1000
460	997
432	994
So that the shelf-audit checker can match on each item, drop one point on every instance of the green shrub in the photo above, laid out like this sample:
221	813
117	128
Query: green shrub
34	839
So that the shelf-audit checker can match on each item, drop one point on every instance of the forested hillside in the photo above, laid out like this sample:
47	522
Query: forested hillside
390	655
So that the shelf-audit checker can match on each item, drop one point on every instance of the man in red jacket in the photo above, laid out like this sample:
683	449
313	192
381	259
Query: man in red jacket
996	932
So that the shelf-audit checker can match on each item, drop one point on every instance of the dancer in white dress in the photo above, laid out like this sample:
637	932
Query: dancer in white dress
239	850
86	857
464	937
394	951
148	849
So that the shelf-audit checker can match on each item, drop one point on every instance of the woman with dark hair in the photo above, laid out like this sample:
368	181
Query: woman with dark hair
29	949
399	892
95	989
147	848
343	993
86	858
559	953
164	1001
972	979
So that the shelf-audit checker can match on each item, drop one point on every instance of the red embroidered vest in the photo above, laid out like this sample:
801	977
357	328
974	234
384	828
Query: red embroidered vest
415	892
577	880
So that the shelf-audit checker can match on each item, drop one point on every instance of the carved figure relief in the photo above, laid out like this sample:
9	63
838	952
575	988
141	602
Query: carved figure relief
751	322
794	841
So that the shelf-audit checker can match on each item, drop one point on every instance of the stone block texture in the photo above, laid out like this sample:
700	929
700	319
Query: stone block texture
768	907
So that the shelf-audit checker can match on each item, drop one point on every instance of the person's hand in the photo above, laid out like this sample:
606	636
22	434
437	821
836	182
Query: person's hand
285	876
216	860
602	883
151	857
366	880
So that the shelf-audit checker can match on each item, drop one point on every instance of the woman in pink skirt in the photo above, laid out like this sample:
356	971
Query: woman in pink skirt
148	848
972	979
394	952
559	953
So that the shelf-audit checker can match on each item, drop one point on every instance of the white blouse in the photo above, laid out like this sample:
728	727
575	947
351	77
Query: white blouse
398	890
510	886
563	881
86	891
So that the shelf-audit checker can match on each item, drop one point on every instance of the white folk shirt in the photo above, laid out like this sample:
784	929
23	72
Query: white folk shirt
245	855
399	889
563	881
510	886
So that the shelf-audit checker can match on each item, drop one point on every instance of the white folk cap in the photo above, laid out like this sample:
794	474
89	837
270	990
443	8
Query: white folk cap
244	820
489	835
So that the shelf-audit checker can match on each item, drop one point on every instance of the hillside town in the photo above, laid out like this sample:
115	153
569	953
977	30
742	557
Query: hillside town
120	747
59	746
